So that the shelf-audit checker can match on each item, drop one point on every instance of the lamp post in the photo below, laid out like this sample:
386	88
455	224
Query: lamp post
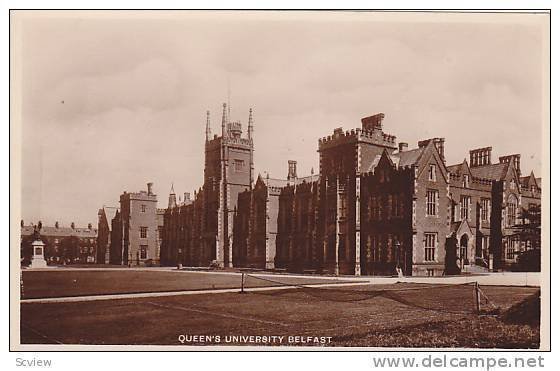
399	253
179	258
180	251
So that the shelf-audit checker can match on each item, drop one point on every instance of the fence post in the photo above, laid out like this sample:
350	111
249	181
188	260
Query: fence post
477	294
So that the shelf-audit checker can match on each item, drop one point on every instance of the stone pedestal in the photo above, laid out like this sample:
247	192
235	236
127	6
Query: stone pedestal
38	259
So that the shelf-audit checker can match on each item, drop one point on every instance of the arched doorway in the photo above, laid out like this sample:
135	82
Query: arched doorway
463	250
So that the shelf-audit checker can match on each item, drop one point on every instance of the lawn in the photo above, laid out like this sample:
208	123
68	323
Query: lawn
349	316
48	284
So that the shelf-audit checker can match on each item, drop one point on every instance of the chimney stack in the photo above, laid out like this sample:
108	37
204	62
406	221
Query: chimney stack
292	170
403	146
515	159
373	123
439	143
150	185
480	156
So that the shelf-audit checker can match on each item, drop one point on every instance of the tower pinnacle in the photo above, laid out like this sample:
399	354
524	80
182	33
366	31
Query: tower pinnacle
250	125
224	119
208	133
172	199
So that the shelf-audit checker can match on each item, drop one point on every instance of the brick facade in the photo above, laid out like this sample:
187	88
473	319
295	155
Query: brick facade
376	207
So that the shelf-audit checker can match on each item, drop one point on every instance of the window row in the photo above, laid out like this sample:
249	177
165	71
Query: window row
383	248
386	207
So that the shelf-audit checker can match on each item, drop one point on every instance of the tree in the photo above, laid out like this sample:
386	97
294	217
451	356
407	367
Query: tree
70	248
528	230
72	225
56	225
529	226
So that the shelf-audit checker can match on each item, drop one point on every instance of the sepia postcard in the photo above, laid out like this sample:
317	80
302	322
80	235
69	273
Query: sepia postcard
279	180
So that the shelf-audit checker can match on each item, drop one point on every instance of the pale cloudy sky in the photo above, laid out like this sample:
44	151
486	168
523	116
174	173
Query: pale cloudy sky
112	101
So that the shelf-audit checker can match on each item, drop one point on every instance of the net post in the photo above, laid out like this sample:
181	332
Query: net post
242	282
477	296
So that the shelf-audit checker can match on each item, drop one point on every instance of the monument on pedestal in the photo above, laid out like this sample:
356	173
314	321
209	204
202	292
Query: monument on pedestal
38	258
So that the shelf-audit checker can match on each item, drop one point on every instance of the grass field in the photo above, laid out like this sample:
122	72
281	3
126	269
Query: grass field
350	316
48	284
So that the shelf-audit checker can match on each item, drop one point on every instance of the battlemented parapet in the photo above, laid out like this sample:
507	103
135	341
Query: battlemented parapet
371	133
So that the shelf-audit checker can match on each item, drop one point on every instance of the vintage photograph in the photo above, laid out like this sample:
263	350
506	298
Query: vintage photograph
279	179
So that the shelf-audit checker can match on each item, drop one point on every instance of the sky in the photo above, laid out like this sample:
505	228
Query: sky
111	101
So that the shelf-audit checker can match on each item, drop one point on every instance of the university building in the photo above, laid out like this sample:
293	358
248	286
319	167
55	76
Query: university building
375	207
131	234
200	232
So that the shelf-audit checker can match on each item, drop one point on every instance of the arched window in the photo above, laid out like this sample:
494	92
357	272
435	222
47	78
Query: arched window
511	210
463	247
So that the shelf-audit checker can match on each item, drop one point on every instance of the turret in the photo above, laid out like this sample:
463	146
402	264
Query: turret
172	198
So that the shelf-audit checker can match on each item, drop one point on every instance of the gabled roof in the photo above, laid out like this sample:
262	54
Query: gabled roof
461	168
462	225
529	180
429	151
454	168
408	158
493	172
308	179
110	212
392	159
279	183
61	231
269	182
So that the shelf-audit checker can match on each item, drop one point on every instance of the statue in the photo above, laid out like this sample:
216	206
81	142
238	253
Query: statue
38	258
37	232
